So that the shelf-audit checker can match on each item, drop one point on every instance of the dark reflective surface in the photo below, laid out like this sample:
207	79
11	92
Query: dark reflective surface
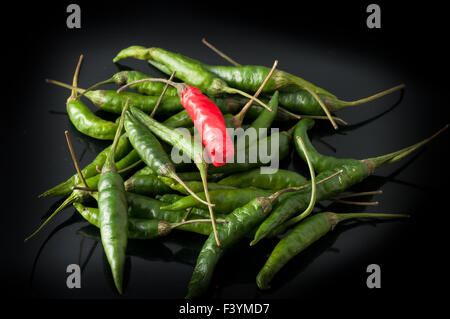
347	60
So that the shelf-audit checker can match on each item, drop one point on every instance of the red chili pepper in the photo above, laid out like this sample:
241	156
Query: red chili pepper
210	124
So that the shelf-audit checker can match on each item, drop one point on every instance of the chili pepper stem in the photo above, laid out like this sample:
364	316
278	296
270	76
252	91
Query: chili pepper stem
108	81
162	94
220	53
236	91
180	181
377	192
130	167
345	216
204	176
354	203
67	86
380	161
239	118
345	104
192	221
109	163
75	196
74	159
73	95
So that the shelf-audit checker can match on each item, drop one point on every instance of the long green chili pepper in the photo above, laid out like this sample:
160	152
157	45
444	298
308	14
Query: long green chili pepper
195	186
65	188
275	181
111	101
169	198
149	185
139	228
194	150
226	200
148	88
151	151
354	172
300	101
113	211
301	237
188	71
83	118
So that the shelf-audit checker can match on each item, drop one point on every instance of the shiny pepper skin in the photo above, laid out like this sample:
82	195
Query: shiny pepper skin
210	124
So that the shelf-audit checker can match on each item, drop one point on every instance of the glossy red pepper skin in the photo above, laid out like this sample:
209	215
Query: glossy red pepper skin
210	124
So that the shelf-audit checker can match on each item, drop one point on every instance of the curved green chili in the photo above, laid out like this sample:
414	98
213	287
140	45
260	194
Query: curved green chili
274	181
301	237
113	212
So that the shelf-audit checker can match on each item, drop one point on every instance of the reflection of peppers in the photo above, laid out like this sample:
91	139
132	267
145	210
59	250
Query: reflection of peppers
210	124
207	119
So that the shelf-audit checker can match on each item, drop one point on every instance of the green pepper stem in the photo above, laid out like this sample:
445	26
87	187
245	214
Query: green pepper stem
109	163
354	203
236	91
74	159
345	104
274	196
73	95
69	200
204	175
192	221
377	192
312	201
380	161
162	94
239	118
67	86
129	167
342	217
180	181
110	80
220	53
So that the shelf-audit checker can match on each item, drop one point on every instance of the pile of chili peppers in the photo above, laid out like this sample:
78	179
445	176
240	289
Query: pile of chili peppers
134	190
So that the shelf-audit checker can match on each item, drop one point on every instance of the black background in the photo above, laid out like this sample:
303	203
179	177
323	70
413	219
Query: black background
328	44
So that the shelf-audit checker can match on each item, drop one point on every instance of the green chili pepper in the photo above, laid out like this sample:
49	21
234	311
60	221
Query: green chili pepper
354	171
226	200
148	88
195	186
301	237
187	70
139	228
113	212
111	101
275	181
169	198
149	185
65	188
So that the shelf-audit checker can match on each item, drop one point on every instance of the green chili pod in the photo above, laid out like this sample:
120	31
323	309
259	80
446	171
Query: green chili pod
301	237
226	200
275	181
149	185
113	212
195	186
88	123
